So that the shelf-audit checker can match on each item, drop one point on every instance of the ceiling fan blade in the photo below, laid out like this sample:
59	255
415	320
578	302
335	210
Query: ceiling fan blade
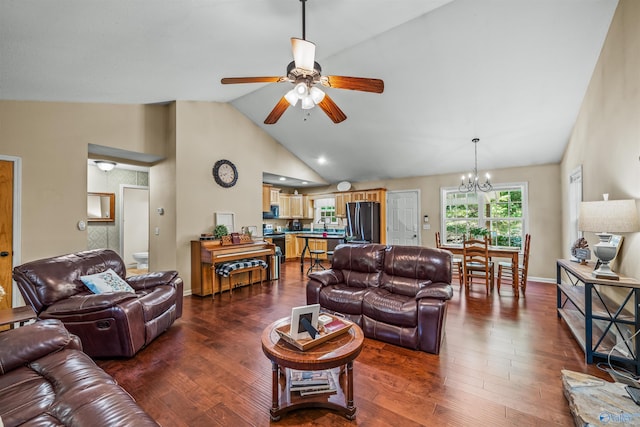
304	53
277	111
234	80
331	109
354	83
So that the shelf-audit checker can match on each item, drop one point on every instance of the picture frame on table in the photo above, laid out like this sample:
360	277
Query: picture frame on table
308	312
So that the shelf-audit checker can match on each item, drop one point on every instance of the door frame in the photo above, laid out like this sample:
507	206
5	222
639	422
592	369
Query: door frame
16	297
418	202
121	215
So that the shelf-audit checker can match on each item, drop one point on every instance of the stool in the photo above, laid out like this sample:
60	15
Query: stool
230	269
316	261
330	257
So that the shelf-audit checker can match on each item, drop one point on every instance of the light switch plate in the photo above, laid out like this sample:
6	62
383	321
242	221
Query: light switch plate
426	226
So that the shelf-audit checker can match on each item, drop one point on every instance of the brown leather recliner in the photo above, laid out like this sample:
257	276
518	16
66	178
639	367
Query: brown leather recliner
45	380
396	294
110	324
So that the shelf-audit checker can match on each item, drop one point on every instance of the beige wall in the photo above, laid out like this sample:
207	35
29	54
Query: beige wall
205	133
162	194
51	139
606	137
544	208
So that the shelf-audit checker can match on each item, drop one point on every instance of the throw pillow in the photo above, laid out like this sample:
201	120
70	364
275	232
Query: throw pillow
106	282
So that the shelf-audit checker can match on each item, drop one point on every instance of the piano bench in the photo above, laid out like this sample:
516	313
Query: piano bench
230	269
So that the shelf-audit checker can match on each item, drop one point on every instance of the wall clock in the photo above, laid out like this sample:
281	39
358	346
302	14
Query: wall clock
225	173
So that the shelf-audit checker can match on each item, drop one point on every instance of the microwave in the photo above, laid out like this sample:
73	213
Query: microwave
274	212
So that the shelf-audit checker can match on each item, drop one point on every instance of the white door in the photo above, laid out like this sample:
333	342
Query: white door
135	222
402	218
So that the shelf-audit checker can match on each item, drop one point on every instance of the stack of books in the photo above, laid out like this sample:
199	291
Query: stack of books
308	383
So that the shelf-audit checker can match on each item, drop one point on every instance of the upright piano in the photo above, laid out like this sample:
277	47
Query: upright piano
207	254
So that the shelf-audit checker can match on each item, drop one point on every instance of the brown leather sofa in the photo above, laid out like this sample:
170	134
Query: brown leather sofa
396	294
46	380
115	324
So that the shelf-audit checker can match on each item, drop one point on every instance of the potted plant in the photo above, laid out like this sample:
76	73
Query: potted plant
220	230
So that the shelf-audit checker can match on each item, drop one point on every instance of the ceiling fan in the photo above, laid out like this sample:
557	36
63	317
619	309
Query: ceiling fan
305	74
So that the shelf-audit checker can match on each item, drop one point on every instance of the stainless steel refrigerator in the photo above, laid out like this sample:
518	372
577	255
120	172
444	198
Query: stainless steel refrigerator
363	221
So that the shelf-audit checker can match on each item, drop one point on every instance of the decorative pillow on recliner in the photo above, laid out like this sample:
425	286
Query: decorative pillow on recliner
106	282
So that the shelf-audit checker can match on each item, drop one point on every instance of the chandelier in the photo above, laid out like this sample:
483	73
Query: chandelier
472	182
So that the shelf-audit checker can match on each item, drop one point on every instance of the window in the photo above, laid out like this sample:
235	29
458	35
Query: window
325	211
502	213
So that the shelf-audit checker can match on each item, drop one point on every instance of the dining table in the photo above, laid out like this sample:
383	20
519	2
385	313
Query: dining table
498	252
307	236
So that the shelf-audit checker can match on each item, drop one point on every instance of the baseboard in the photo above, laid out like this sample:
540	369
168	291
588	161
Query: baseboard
541	279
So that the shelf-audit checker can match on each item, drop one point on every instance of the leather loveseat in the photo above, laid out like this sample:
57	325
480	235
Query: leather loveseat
116	324
396	294
46	380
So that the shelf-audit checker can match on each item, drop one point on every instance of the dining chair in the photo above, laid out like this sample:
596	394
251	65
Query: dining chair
457	261
506	268
477	263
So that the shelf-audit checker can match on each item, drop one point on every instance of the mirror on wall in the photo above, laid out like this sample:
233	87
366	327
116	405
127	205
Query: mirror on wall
101	207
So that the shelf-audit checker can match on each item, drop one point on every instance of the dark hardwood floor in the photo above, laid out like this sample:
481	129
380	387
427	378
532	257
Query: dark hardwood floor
499	365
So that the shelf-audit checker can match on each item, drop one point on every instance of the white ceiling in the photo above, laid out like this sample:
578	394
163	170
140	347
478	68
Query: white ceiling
510	72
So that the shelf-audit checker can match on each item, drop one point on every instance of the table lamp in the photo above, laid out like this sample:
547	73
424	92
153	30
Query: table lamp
602	218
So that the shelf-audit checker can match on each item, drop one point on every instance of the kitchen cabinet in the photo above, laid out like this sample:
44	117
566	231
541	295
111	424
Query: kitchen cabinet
318	245
367	196
274	196
358	196
307	205
314	244
600	324
373	196
290	244
342	199
266	198
341	204
296	206
285	206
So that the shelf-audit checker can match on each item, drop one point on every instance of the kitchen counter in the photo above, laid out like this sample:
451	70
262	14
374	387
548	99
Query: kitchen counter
308	231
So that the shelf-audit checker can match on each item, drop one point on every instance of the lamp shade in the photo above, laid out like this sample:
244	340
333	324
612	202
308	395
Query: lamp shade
617	216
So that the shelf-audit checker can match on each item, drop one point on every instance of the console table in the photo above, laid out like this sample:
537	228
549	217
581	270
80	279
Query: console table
599	320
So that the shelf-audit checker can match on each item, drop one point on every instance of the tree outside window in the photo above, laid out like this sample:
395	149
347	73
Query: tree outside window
500	214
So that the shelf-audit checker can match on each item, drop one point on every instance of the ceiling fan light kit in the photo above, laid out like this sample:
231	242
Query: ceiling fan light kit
305	73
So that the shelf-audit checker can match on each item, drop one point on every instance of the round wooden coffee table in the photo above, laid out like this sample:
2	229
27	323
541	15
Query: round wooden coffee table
337	352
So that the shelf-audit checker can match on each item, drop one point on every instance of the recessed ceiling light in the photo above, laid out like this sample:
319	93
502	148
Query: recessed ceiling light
282	178
322	160
304	182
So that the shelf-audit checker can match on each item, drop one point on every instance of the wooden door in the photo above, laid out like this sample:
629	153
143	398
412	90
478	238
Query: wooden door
290	246
285	206
266	198
274	196
6	233
295	203
341	204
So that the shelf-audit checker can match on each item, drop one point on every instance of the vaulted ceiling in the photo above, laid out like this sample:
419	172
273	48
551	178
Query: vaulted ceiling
510	72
